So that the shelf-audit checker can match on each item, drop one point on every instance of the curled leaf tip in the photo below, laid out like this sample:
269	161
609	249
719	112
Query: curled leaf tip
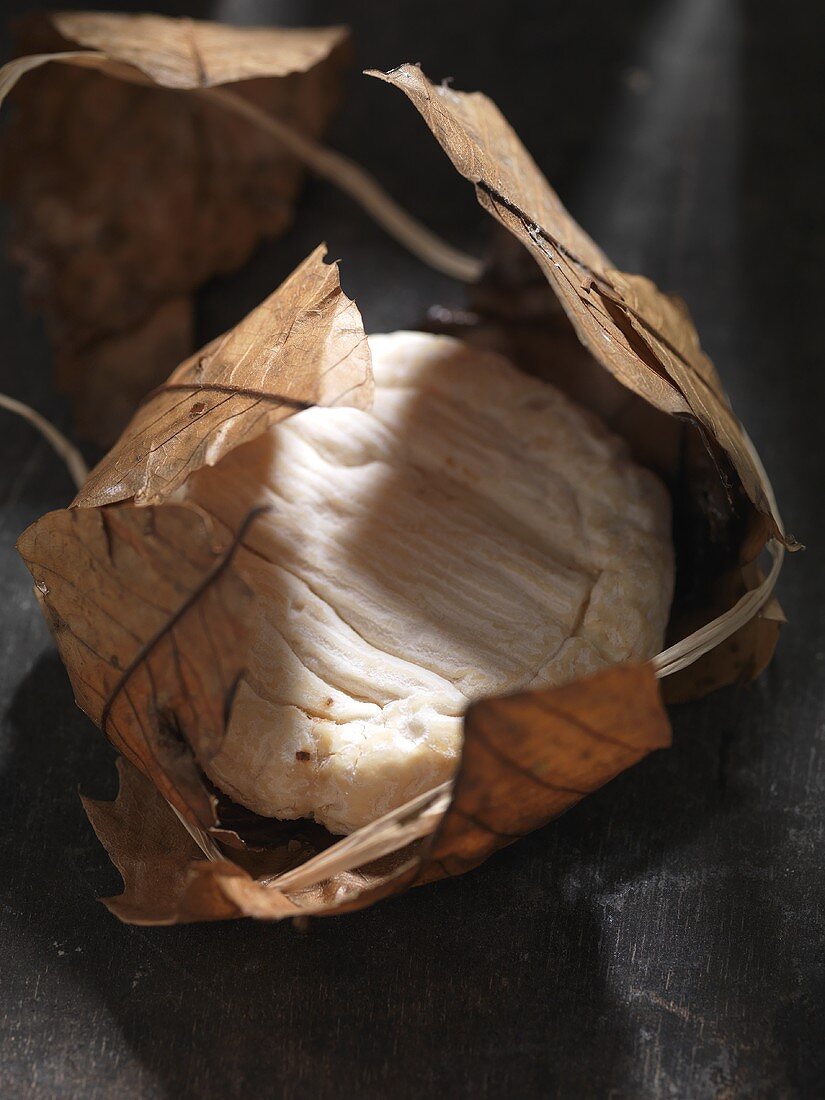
304	345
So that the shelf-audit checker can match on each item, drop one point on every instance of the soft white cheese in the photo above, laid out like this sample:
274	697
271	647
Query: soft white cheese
474	534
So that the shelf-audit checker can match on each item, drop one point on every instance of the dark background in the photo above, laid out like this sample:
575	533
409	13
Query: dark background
666	937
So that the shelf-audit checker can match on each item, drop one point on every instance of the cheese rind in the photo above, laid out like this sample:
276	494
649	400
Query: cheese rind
475	533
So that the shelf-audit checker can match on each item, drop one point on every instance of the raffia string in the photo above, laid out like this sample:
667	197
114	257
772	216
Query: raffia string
359	185
338	169
72	457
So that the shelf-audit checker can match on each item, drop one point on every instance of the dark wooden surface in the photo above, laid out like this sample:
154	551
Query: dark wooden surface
665	939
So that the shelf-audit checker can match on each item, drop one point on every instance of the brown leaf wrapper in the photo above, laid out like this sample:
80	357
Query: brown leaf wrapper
239	385
155	587
129	190
185	851
642	337
526	758
147	609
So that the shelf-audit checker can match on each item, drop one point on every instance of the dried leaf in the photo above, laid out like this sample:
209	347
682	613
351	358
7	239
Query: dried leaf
527	759
108	378
239	385
150	848
515	312
644	338
167	880
187	53
647	341
129	189
150	619
737	660
149	614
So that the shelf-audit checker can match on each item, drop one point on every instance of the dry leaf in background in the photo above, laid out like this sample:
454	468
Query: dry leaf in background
128	193
526	758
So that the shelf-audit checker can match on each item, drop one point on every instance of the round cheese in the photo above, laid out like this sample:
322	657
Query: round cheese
474	534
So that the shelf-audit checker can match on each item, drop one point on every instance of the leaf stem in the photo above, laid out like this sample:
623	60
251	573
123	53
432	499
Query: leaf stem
67	451
359	185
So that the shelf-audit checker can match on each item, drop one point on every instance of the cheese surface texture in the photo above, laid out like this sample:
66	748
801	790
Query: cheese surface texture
474	534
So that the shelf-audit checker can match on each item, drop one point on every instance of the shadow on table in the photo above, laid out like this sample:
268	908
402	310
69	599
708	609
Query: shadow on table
491	982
